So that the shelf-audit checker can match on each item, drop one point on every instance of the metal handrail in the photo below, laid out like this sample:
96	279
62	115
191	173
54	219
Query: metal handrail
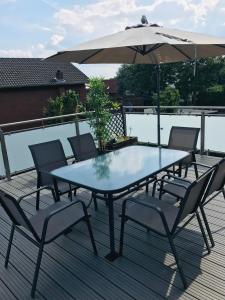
204	111
41	120
178	107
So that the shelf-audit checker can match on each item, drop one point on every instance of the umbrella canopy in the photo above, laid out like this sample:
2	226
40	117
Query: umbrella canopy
145	44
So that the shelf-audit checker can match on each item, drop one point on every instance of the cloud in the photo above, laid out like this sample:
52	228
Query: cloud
56	39
106	16
38	50
16	53
40	27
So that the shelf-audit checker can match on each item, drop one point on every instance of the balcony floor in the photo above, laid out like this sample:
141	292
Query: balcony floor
69	269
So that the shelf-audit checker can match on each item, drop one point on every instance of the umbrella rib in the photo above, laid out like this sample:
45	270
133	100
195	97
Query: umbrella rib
136	49
181	51
135	55
157	46
90	56
221	46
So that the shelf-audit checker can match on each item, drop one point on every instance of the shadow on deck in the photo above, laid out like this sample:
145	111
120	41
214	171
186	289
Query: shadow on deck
70	270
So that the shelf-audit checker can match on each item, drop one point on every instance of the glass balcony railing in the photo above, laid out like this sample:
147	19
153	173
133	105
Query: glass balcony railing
142	125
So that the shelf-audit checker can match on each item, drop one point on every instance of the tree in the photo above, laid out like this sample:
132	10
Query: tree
168	97
141	79
67	103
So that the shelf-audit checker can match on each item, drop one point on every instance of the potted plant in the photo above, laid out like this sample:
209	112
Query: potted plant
120	142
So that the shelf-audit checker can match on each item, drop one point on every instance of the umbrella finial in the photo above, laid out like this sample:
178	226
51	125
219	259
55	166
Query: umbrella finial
144	19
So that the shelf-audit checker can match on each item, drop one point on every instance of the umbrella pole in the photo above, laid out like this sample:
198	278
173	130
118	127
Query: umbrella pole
158	105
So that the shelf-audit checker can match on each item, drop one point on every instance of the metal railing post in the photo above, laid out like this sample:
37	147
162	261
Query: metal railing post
77	127
5	155
124	120
202	145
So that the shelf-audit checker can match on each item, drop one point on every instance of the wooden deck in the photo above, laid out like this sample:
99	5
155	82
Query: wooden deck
69	269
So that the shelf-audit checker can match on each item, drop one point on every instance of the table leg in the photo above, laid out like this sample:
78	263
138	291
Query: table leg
112	255
56	190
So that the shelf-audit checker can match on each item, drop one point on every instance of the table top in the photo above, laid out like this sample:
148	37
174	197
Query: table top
117	170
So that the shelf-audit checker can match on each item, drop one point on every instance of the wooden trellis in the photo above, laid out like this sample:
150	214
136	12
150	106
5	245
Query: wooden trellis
117	124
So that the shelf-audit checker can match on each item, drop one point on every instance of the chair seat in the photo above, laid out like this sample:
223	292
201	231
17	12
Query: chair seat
59	222
176	190
150	218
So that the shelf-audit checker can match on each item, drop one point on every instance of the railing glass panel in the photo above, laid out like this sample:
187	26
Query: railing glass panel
17	143
144	126
215	133
2	169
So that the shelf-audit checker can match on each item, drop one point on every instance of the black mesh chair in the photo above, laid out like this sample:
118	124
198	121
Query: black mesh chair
45	226
215	187
164	218
83	146
48	156
184	138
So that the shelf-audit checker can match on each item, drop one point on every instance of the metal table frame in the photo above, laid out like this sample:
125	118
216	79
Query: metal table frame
109	198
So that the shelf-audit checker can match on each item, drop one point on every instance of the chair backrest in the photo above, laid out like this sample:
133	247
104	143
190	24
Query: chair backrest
83	146
15	212
47	157
218	179
183	138
193	196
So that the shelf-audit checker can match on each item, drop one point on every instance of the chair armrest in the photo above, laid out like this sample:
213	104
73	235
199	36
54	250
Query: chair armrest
199	164
59	210
157	209
175	177
35	191
174	183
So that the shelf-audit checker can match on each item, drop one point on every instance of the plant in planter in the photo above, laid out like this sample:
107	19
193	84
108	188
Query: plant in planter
121	141
99	106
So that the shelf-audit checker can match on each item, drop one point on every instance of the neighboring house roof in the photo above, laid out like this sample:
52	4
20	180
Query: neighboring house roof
31	72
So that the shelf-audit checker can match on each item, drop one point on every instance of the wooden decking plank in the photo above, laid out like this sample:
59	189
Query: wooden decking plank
146	266
165	258
75	279
143	289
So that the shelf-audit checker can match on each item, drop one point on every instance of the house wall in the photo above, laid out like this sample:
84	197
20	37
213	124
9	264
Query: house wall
28	103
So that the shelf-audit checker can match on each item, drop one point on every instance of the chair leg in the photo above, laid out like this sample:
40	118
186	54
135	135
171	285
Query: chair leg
203	233
91	234
186	171
207	226
9	245
95	201
154	188
223	191
70	194
196	171
38	200
37	268
177	261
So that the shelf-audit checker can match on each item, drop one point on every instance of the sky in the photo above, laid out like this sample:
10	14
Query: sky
40	28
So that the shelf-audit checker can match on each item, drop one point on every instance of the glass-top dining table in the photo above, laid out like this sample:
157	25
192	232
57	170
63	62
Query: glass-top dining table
115	174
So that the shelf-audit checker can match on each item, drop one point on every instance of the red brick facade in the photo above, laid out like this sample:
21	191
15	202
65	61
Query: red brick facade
19	104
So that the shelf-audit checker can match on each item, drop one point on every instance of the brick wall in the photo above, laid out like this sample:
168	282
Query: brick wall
28	103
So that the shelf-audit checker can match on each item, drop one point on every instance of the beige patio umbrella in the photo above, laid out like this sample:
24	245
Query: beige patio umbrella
145	44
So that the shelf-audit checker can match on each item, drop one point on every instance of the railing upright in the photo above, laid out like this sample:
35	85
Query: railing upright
77	127
5	155
124	120
202	143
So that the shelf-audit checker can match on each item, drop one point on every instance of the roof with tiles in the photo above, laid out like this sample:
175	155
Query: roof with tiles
33	72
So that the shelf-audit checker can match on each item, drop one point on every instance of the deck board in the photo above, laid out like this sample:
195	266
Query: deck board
70	270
